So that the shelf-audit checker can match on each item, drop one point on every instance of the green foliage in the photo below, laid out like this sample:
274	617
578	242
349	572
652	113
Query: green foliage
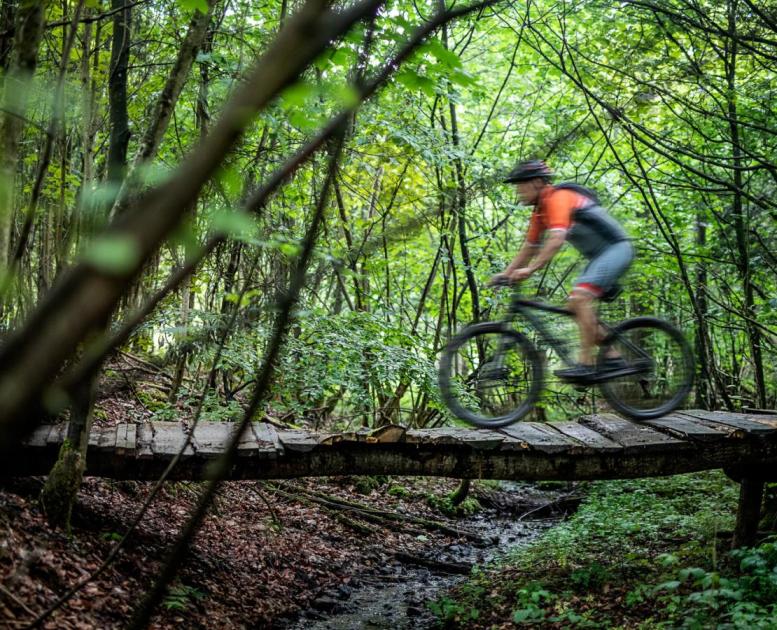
181	596
608	564
531	603
111	536
399	491
350	362
366	484
444	504
113	254
695	597
450	611
591	577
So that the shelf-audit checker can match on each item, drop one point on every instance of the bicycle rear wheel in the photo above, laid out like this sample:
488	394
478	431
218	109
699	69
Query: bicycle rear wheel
490	375
658	369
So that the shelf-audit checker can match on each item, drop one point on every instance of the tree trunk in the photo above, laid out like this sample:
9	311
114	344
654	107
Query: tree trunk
742	212
704	354
167	100
29	29
8	9
61	489
117	91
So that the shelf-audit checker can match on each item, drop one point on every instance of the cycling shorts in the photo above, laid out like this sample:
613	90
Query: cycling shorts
604	270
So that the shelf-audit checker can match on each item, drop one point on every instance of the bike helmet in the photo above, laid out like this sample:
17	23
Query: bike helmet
528	170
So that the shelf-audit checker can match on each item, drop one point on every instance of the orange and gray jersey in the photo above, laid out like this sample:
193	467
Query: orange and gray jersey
588	226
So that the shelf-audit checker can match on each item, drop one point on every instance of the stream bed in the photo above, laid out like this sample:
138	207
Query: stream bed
394	594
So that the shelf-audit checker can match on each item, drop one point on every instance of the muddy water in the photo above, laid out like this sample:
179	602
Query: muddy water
394	596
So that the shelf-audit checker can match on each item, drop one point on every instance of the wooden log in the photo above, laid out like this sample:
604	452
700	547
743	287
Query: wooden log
299	441
479	439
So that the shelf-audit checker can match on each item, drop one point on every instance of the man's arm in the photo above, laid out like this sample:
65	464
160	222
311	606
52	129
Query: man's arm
524	255
553	243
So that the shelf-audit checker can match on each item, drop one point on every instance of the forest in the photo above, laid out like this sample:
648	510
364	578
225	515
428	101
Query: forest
237	211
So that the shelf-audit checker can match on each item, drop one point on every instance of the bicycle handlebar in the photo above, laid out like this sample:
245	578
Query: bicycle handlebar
504	282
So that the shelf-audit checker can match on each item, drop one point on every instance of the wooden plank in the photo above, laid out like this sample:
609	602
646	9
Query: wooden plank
630	435
145	439
479	439
687	428
260	438
769	420
126	437
537	437
267	434
590	438
211	438
57	434
106	441
169	437
346	436
39	438
387	434
734	421
102	438
299	441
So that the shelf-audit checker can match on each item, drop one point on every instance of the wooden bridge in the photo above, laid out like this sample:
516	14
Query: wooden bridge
596	447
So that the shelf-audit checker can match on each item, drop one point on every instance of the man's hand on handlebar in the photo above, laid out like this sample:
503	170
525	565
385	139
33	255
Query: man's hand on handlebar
509	278
498	280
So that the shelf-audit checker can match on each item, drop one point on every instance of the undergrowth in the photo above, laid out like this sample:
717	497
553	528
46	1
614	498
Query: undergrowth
648	553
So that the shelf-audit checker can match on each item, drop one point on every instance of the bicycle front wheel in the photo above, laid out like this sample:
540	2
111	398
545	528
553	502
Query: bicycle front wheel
490	375
658	368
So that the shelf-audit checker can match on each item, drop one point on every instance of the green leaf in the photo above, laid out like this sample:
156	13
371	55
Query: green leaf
290	250
151	174
442	54
233	223
114	253
232	180
194	5
343	57
414	81
297	94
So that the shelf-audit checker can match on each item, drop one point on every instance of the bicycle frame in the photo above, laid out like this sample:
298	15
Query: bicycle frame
523	308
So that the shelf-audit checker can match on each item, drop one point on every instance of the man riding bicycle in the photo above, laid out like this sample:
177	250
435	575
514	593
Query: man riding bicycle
568	212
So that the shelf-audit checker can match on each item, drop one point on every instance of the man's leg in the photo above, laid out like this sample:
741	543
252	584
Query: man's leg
581	303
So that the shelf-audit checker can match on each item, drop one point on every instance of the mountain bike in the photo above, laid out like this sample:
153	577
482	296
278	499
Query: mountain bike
492	375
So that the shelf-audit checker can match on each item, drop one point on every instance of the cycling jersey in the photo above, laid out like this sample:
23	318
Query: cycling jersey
588	226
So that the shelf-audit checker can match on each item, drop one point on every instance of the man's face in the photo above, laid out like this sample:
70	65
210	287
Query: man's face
529	191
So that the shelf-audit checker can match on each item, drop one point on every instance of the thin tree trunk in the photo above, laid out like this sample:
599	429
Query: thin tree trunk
29	29
117	91
741	211
8	9
167	100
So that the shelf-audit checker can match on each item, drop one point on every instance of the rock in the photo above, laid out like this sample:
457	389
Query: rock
325	603
343	591
414	611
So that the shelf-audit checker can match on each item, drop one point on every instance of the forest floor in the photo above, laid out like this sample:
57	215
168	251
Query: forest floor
263	554
266	553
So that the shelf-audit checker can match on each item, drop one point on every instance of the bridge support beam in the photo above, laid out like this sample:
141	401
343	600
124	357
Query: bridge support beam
751	491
